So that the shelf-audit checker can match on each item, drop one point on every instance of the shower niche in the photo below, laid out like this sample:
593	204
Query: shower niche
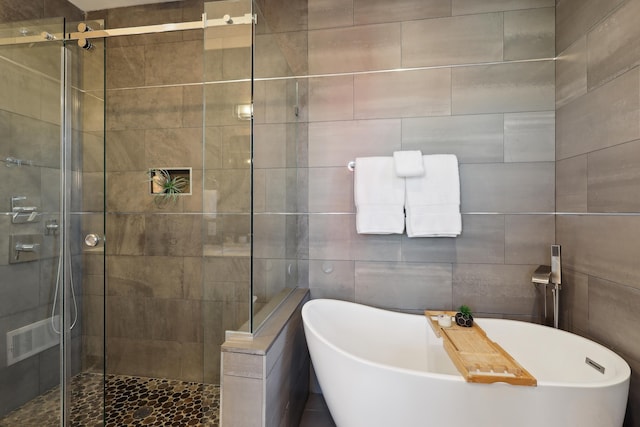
170	181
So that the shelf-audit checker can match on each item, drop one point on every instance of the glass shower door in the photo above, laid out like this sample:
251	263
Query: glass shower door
47	139
83	207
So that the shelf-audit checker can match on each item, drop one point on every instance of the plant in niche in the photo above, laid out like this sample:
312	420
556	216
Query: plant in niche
464	316
166	187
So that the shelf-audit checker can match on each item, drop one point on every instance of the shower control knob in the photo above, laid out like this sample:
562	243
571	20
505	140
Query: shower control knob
91	240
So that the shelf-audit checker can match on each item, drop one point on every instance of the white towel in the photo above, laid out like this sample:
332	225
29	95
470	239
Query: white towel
379	196
433	200
408	163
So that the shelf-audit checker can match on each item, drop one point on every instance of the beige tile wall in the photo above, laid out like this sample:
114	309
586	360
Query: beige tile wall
598	129
495	114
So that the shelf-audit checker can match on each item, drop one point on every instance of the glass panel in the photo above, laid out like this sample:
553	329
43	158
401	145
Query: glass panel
85	167
228	180
30	236
155	300
52	288
276	153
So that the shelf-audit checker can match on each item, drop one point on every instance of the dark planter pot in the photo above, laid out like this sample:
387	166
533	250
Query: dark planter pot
464	320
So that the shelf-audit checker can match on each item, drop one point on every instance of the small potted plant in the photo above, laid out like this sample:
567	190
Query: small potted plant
166	187
464	317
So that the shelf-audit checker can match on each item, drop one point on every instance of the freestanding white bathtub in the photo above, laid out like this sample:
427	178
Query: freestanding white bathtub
388	369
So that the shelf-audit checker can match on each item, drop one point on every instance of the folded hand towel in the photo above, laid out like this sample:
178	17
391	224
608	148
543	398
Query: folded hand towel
379	196
433	200
434	221
408	163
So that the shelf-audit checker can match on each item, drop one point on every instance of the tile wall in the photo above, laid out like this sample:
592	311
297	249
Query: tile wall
597	183
443	76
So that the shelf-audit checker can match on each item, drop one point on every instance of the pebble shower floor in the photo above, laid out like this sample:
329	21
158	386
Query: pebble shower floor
130	401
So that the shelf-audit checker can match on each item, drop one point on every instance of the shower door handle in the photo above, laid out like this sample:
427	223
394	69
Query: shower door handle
92	240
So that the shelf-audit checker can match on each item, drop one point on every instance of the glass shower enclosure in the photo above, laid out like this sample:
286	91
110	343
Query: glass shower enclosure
156	299
52	168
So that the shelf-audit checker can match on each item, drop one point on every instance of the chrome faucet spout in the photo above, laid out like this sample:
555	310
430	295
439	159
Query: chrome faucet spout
542	275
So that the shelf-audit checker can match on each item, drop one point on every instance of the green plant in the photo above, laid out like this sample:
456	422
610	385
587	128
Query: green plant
166	187
464	309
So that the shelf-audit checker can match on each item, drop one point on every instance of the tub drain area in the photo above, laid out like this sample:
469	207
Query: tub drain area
598	367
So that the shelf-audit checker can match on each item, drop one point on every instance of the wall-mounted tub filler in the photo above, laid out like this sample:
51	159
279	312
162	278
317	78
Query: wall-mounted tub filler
551	278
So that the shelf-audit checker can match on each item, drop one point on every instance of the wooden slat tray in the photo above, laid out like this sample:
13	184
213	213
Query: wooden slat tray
476	357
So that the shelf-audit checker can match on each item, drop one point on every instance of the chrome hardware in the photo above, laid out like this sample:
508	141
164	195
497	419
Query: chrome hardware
22	214
24	247
12	161
550	277
91	240
51	227
542	275
598	367
556	265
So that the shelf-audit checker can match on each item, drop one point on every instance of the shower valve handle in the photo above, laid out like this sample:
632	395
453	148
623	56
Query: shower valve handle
25	247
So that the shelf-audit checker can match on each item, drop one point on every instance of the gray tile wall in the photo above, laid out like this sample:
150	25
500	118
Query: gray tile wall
597	135
495	113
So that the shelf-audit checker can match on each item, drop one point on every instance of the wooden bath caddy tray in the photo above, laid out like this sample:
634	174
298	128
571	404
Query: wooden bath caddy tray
478	359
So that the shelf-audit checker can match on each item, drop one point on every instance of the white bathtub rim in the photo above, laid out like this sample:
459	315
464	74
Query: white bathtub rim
623	371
